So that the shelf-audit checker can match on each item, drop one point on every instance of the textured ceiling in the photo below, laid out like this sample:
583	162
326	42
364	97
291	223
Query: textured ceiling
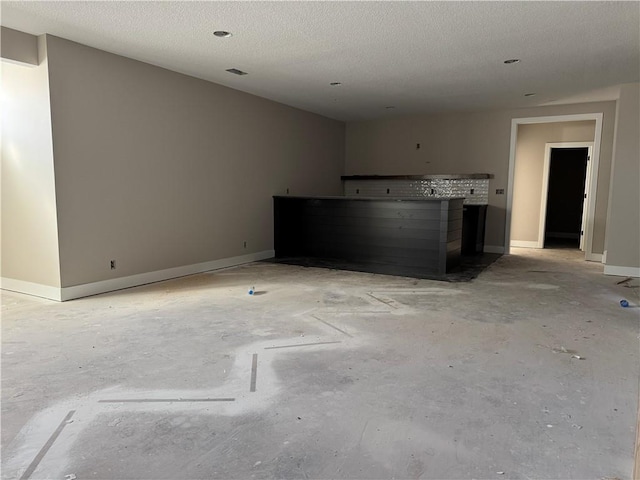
419	57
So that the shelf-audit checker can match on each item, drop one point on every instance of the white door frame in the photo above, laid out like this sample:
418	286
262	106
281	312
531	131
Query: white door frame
593	181
545	188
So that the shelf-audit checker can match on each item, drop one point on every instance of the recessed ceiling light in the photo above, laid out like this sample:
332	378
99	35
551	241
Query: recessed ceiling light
335	84
236	71
512	60
222	34
529	94
390	107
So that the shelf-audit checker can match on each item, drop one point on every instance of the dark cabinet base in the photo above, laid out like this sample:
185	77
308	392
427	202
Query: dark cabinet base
410	237
473	221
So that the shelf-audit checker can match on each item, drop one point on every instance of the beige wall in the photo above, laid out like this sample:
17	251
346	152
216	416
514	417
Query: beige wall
623	229
158	170
18	46
528	173
459	143
29	229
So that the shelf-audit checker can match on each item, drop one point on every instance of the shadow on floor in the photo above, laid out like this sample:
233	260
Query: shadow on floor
561	243
470	267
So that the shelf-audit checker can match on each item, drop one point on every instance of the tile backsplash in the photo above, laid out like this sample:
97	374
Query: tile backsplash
474	190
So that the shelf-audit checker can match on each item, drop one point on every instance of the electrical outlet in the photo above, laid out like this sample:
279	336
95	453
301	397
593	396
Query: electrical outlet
499	191
113	264
417	146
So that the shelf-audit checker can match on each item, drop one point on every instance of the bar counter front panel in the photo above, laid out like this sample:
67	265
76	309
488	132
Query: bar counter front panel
402	236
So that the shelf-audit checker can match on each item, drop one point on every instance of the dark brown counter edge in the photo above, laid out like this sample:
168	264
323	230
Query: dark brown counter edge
453	176
414	237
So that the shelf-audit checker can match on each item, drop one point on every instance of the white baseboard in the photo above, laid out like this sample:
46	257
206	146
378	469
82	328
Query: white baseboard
30	288
593	257
493	249
622	271
524	244
604	257
95	288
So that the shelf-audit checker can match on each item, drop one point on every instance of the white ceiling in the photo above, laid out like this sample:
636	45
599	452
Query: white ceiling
419	57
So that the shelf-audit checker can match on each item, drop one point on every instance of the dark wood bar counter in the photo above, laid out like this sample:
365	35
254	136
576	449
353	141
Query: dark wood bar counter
415	237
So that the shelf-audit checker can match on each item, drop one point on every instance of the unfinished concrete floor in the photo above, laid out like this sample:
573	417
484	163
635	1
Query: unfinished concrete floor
355	376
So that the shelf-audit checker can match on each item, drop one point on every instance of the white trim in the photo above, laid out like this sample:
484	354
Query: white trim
30	288
595	257
18	62
587	197
524	244
577	117
595	159
510	182
593	188
610	197
78	291
493	249
95	288
622	271
604	257
545	186
545	193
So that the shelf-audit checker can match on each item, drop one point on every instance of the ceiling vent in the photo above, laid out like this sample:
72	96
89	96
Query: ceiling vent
235	71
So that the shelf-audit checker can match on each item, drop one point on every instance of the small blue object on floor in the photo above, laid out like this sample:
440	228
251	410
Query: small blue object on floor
624	303
252	290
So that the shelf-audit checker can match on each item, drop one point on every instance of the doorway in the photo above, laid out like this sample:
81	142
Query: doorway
589	213
565	195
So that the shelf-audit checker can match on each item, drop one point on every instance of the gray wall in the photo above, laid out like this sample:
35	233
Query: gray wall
623	229
476	142
157	170
29	226
528	181
19	47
